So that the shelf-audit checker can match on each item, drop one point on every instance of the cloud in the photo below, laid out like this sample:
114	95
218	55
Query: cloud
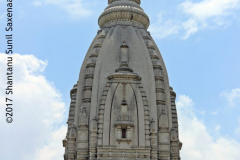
209	8
238	129
173	28
192	17
198	143
214	113
36	3
162	29
76	8
190	26
217	128
54	149
38	112
233	97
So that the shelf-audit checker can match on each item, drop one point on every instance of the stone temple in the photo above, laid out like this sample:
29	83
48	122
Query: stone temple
122	106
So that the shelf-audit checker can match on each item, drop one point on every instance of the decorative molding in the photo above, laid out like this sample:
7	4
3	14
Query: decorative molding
127	13
124	76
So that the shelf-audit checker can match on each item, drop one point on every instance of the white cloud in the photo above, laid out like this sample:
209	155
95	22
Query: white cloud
214	113
174	27
36	3
38	110
76	8
238	129
217	128
198	143
54	149
191	27
196	17
233	96
222	22
209	8
165	28
162	29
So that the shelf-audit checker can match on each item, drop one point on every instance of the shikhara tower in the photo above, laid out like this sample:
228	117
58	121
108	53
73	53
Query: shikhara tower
122	106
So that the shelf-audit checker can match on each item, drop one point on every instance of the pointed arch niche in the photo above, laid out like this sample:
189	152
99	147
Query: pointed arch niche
124	114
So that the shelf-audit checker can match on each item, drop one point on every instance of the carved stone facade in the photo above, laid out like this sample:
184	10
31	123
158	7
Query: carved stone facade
122	106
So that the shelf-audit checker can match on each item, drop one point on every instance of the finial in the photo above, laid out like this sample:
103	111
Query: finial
137	1
124	11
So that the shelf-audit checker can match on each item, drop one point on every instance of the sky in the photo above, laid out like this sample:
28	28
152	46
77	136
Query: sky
198	39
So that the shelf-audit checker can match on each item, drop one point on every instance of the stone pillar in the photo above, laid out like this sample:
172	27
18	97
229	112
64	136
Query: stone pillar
164	135
101	115
82	142
72	143
146	116
70	122
175	143
93	140
128	132
73	95
119	132
154	149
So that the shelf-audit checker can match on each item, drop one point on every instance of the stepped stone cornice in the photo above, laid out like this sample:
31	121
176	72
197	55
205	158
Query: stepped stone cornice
129	76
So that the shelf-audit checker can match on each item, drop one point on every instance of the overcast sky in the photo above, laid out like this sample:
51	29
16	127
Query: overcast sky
199	41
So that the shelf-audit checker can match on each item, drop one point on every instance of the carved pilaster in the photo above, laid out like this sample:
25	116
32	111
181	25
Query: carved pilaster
82	142
93	140
71	144
101	115
175	143
146	116
154	149
164	134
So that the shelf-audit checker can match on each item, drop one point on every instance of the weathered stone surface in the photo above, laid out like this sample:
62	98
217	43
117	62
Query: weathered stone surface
122	106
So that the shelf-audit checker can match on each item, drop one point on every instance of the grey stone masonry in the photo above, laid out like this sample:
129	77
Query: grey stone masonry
122	106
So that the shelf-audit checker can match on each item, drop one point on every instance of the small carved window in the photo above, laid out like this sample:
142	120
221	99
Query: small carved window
124	133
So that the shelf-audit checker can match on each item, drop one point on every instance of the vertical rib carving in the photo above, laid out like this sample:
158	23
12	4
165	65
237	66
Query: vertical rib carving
154	151
163	133
87	95
101	114
66	143
82	141
93	139
71	145
73	94
175	142
146	115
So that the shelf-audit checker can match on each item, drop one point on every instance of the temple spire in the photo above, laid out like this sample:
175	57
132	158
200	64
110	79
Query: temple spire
123	106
